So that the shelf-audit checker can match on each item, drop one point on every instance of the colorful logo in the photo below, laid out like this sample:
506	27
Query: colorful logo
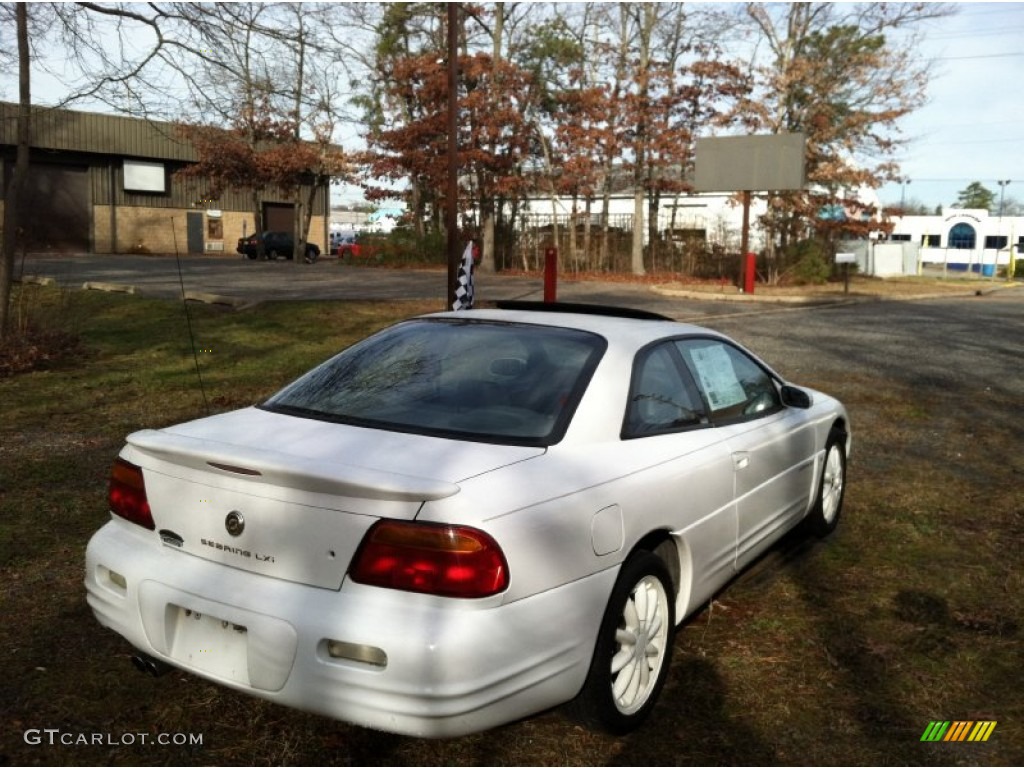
958	730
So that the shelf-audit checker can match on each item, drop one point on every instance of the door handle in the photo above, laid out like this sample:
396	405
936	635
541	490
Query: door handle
741	460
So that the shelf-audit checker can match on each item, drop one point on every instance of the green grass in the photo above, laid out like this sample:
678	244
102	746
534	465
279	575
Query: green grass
822	653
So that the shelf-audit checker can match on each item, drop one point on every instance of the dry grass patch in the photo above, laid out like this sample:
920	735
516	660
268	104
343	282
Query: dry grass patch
836	652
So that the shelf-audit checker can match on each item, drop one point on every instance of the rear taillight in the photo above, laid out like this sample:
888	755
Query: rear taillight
446	560
127	494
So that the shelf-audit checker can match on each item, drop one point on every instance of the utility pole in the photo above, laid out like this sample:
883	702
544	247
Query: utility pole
1002	191
1012	267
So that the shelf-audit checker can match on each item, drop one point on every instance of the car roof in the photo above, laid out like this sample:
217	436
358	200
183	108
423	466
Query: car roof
626	329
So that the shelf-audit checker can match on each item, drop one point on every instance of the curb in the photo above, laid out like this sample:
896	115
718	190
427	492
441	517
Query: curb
837	299
108	287
995	289
216	298
35	280
755	298
199	296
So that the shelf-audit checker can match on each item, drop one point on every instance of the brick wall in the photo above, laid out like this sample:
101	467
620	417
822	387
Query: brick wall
153	230
140	230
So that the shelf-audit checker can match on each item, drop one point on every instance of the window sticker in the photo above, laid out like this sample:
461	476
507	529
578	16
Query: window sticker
717	376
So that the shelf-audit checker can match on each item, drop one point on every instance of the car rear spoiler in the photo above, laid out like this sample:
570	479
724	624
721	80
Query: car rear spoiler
278	469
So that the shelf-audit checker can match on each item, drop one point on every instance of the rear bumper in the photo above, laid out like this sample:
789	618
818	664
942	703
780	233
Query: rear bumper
451	668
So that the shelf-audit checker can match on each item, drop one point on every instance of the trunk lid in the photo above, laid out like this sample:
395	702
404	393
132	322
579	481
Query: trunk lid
289	497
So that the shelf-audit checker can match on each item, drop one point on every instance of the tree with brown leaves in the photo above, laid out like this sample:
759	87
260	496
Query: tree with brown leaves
493	135
836	73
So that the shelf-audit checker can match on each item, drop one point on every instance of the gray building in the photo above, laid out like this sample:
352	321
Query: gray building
107	184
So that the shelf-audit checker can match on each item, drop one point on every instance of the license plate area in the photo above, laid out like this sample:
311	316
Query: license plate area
210	644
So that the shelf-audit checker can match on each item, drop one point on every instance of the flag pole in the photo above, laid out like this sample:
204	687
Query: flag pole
452	203
464	287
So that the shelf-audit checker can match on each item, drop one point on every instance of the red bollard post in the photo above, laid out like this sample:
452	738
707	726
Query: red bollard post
749	273
550	275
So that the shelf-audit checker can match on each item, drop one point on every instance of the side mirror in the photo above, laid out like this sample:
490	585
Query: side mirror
794	397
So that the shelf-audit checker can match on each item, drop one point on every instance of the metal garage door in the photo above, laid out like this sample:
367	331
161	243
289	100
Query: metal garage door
57	208
279	217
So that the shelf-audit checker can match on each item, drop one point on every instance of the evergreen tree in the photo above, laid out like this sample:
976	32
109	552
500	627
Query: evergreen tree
975	195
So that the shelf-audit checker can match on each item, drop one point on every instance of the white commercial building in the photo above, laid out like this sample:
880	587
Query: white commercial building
716	218
962	239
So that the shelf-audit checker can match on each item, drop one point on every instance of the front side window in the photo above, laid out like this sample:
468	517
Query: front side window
734	386
491	382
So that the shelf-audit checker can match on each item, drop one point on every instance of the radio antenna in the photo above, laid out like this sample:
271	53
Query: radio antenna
188	318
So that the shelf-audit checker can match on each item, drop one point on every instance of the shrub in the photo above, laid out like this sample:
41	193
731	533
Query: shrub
404	246
809	263
39	336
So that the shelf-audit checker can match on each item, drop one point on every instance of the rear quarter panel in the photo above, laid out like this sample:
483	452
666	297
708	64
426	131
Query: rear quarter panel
555	516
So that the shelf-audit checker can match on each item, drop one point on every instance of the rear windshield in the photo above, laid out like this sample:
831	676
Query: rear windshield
485	381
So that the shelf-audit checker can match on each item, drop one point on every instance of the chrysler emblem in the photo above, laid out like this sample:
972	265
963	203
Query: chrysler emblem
234	523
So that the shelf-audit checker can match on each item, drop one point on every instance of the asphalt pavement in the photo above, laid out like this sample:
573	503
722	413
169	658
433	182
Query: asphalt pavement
242	282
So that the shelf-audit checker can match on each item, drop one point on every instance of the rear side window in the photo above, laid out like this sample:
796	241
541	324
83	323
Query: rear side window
662	395
732	384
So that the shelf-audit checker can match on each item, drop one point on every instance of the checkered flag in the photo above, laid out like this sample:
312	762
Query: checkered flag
464	291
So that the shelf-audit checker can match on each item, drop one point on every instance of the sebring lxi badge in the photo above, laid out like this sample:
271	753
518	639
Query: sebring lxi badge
234	523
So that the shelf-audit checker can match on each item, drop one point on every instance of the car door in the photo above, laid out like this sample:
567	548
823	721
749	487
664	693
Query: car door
277	242
689	481
772	446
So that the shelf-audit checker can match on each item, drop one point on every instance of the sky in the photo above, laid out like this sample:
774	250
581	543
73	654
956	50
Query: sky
971	127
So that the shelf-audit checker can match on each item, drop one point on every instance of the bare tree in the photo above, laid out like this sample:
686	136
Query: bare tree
110	49
274	79
14	194
215	63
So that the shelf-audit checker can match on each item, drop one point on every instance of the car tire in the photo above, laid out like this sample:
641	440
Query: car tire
251	256
824	515
633	650
345	255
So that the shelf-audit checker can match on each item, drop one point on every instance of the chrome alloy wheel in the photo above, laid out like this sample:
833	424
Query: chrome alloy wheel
832	484
641	645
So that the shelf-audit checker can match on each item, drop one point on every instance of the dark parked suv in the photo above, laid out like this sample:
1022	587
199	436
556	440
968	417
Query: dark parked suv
275	245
